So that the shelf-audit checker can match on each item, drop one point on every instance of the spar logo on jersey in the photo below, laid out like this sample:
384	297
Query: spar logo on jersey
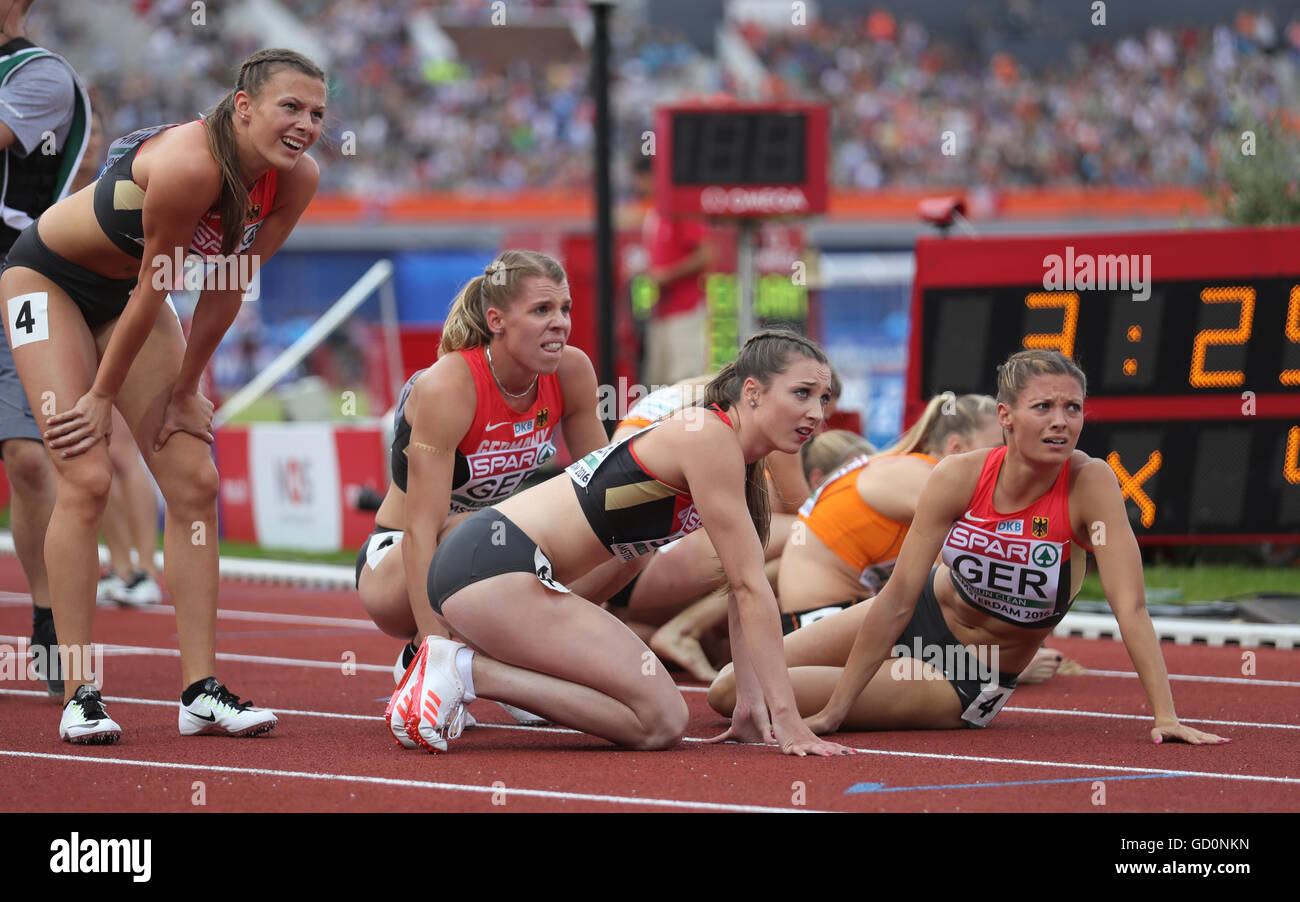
688	520
1045	554
515	460
1011	527
1014	579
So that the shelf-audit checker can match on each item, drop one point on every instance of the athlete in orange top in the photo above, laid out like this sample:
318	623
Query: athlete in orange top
850	531
1005	522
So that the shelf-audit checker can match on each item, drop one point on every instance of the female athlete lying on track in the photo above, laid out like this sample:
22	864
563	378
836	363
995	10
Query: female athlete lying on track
498	579
471	428
84	288
1012	524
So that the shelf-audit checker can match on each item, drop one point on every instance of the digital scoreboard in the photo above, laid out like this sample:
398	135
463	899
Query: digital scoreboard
741	160
1191	345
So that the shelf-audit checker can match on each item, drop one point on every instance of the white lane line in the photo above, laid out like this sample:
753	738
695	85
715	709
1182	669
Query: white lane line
126	650
1081	765
1243	681
418	784
1219	723
1068	712
20	599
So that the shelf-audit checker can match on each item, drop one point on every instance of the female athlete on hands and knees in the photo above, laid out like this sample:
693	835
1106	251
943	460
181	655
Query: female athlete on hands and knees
850	531
1009	523
499	578
84	288
472	427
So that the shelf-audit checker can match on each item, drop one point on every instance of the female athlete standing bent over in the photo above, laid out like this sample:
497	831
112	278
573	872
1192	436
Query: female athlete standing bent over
83	293
1012	524
499	577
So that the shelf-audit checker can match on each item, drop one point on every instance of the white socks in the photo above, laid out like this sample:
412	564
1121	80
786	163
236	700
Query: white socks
465	667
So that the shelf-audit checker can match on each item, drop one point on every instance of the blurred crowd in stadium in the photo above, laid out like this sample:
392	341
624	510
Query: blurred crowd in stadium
1144	110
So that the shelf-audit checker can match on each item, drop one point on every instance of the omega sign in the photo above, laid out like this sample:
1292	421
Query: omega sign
741	201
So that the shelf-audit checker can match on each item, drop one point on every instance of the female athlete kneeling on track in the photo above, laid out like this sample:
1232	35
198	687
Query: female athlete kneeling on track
499	578
84	289
471	428
1008	523
680	592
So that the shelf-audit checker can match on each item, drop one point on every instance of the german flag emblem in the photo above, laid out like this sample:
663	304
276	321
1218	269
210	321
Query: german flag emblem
1039	527
254	212
543	417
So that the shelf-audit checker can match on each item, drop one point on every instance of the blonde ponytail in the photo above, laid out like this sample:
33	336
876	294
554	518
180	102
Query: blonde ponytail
945	415
466	324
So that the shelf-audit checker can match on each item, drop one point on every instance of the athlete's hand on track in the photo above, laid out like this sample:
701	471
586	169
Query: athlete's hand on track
186	412
795	738
76	430
748	725
1172	729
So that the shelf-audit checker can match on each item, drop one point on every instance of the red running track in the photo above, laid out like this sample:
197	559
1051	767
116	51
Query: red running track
290	650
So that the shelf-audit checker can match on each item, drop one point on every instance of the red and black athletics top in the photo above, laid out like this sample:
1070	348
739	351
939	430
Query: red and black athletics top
119	203
502	447
1023	567
630	510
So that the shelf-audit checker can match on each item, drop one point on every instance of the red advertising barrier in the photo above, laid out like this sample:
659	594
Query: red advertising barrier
295	485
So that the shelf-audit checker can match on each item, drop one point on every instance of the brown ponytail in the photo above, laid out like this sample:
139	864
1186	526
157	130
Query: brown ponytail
255	72
765	355
466	324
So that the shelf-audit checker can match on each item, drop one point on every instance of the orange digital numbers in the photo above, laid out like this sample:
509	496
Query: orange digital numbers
1199	377
1062	341
1291	465
1292	377
1131	483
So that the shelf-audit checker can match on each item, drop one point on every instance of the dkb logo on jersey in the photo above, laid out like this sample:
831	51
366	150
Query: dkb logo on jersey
1044	555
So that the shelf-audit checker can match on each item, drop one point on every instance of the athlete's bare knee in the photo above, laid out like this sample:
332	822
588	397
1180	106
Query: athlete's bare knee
194	490
665	725
28	465
83	486
722	694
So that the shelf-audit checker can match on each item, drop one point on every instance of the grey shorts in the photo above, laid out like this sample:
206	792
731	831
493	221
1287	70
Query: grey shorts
485	545
16	419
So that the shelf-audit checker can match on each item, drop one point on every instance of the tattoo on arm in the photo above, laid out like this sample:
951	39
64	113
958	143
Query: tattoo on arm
430	448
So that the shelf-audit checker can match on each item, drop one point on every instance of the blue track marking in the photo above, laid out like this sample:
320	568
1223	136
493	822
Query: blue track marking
881	787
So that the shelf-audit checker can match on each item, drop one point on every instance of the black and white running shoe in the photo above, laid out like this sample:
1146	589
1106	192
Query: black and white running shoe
218	711
85	721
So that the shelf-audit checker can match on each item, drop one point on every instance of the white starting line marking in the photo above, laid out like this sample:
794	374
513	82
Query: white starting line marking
420	784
